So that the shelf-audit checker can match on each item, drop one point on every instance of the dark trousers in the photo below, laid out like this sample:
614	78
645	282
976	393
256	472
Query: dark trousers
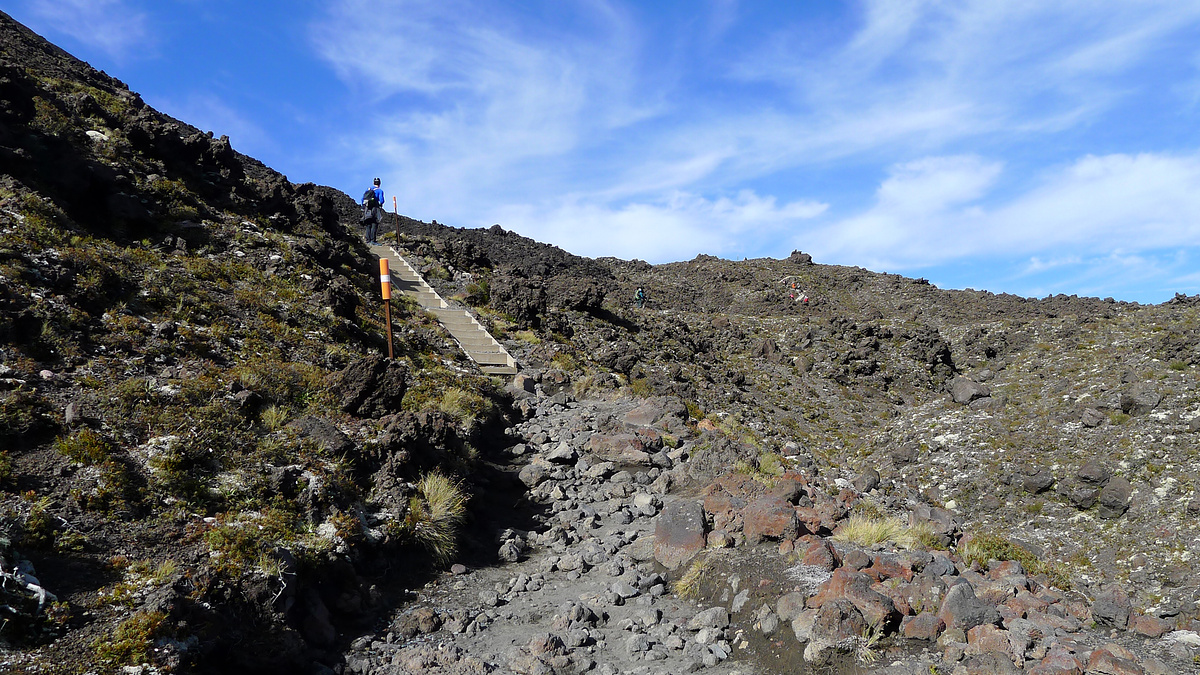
372	225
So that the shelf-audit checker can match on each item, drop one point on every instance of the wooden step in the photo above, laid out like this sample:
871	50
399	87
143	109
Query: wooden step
476	342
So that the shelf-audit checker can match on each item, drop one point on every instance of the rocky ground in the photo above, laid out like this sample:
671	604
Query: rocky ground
206	465
625	573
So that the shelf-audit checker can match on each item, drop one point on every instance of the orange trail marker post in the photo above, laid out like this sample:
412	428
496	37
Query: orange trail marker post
385	286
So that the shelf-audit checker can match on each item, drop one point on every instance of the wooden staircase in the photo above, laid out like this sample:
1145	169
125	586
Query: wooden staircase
478	344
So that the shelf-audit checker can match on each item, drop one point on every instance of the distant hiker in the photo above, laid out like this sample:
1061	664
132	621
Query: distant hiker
372	212
639	298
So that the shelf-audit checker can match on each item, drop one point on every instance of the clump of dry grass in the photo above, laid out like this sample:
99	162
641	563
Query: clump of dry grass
688	585
436	513
865	530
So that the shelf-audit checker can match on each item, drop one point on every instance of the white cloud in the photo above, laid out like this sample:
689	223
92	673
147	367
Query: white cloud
112	26
1037	265
678	228
939	209
603	138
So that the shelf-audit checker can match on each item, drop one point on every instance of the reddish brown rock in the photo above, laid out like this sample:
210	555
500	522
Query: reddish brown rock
1113	659
1049	622
769	518
820	553
1059	661
821	518
1006	568
990	639
924	626
1025	602
887	566
619	448
846	584
1150	626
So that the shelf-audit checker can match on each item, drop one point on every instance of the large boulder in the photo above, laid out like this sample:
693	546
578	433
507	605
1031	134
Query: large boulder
963	611
964	390
1140	399
372	386
874	607
770	517
1115	498
837	623
678	533
619	448
1112	608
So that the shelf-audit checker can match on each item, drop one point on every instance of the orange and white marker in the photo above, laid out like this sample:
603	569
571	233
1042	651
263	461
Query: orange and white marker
385	287
385	279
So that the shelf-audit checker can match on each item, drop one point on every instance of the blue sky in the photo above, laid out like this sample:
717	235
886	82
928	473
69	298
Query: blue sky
1017	146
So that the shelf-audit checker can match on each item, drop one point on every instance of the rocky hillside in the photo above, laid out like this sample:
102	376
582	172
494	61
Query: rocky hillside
200	446
207	466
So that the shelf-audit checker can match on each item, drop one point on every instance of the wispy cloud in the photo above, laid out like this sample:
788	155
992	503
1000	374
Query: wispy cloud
679	227
938	209
588	131
113	26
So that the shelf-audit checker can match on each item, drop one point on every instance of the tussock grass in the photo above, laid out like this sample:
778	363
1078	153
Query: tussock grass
526	336
274	417
688	585
865	650
864	530
436	513
641	388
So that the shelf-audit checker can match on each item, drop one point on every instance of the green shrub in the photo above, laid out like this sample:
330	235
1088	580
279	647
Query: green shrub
478	293
132	643
119	489
85	446
6	470
48	119
982	548
21	413
641	387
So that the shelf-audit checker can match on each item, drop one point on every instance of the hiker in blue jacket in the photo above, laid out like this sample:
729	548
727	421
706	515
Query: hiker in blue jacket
372	213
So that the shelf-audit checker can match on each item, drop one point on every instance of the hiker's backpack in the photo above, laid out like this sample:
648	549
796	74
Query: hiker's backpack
370	200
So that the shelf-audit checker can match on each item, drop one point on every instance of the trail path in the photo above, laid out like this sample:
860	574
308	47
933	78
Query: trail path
478	344
582	592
